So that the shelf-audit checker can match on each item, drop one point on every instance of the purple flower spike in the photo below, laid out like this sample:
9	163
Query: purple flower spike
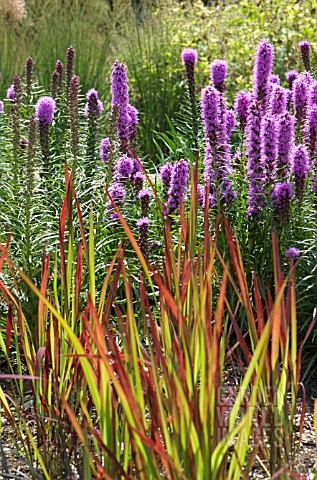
292	253
241	106
1	106
166	174
285	141
268	147
304	47
256	173
143	241
281	197
290	77
124	168
310	132
105	149
263	62
120	96
300	96
189	56
218	73
138	181
278	100
91	92
210	100
231	122
179	181
11	92
299	168
144	197
45	109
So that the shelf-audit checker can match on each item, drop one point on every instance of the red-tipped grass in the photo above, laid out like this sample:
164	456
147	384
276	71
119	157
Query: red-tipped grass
143	385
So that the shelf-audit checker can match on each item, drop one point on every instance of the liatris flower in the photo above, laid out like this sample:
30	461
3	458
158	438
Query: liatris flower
118	194
281	197
210	109
1	106
133	121
278	100
28	74
69	65
29	182
275	79
241	106
144	196
268	147
120	96
143	240
93	108
138	180
310	132
218	73
304	47
124	168
17	90
189	58
285	141
299	168
290	77
45	109
166	174
55	82
179	181
210	100
230	122
312	94
292	253
11	92
255	172
74	115
222	157
59	67
263	62
300	97
90	104
105	149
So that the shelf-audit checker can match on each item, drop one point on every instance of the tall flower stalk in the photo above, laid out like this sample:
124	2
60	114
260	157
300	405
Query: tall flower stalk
29	185
74	117
93	109
45	109
189	58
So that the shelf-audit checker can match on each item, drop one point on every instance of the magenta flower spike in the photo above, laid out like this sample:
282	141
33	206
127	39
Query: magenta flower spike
263	62
290	77
178	185
45	109
278	100
281	197
241	106
268	147
304	47
105	149
218	73
299	168
292	253
285	142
